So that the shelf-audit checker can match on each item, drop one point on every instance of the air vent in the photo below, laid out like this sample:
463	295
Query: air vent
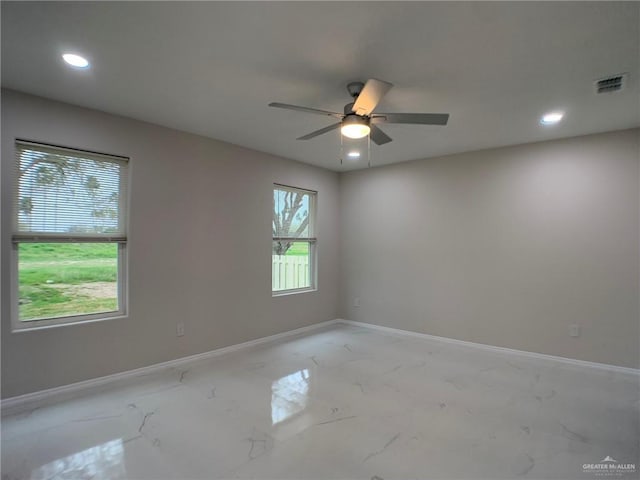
613	83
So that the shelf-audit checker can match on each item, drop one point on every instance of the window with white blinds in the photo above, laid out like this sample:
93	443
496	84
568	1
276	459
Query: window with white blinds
63	193
294	241
69	236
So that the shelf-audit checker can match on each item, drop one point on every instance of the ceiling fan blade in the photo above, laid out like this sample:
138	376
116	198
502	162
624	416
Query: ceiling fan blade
370	96
286	106
418	118
320	132
378	136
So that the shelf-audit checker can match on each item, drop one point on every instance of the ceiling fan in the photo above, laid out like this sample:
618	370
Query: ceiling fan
358	119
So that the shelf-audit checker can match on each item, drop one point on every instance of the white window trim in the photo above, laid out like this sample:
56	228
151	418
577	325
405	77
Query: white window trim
313	266
20	326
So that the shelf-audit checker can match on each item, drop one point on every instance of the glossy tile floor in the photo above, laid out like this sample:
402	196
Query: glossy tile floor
345	403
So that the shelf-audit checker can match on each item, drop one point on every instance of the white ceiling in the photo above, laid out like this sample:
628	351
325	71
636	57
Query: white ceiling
211	68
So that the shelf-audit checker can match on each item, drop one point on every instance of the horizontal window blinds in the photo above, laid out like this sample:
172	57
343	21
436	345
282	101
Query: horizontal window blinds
64	194
293	214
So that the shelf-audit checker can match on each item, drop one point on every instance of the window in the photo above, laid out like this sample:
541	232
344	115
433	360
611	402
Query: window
294	242
69	236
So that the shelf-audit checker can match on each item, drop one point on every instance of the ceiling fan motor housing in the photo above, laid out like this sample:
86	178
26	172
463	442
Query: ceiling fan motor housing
348	109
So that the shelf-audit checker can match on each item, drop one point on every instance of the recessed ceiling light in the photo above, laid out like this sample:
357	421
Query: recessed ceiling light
551	118
76	60
353	154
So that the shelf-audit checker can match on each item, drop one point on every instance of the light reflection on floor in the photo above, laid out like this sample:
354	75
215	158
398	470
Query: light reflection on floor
101	461
289	395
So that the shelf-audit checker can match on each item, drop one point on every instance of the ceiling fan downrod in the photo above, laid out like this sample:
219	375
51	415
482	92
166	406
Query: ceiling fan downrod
354	89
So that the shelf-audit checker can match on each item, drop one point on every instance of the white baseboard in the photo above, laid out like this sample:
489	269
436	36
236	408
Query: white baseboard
30	401
491	348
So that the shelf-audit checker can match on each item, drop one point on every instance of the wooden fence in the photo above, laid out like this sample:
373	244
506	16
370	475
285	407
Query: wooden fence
290	271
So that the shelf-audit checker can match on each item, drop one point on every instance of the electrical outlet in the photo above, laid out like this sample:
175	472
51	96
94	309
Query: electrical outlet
180	329
574	330
356	302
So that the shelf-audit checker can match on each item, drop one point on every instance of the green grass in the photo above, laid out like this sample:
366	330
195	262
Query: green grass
45	252
56	279
74	306
73	274
298	249
61	279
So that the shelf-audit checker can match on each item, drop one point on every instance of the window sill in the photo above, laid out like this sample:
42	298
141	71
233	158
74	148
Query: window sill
284	293
25	329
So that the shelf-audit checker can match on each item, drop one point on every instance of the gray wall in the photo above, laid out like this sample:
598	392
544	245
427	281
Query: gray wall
505	247
199	250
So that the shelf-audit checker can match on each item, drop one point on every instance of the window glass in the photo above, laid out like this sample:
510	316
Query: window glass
69	235
294	243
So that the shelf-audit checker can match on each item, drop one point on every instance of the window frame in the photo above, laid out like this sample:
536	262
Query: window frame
18	325
312	240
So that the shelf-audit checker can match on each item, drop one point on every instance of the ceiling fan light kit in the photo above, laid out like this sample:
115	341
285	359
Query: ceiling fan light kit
354	126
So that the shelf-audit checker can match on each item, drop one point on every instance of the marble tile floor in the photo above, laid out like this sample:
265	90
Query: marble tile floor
343	403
